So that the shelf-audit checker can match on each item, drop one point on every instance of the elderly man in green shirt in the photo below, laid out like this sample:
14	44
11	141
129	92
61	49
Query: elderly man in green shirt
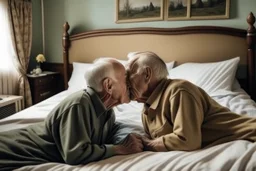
177	114
81	129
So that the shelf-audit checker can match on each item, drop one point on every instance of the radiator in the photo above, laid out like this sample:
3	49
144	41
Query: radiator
10	105
8	82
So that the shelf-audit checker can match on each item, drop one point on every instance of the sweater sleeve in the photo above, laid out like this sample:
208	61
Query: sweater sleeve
187	117
72	134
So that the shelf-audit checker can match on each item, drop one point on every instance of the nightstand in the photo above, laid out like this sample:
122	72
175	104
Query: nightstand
43	85
10	104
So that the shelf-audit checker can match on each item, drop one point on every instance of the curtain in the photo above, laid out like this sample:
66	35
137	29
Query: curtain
20	17
8	72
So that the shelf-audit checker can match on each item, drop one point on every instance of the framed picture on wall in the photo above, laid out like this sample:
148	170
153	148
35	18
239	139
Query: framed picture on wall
209	9
177	9
139	10
196	9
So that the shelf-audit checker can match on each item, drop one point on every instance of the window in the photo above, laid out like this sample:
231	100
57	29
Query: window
6	47
8	72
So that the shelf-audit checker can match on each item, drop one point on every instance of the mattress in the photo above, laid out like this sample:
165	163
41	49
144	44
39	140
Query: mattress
237	155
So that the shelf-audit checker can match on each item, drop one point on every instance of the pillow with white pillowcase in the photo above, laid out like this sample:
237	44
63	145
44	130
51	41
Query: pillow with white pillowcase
77	80
215	78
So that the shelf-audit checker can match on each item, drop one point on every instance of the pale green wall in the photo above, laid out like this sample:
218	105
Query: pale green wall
37	45
99	14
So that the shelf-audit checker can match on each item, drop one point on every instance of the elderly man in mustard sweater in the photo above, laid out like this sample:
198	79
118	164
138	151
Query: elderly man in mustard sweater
81	129
177	114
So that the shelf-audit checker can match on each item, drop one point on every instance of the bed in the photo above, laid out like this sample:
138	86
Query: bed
225	55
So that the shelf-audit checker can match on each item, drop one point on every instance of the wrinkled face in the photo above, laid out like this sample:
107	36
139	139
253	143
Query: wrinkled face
120	90
136	81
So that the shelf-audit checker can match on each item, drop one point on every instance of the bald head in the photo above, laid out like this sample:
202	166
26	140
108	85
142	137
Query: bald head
102	68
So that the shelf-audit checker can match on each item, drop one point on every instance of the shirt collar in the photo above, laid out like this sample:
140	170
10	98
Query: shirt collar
154	98
96	101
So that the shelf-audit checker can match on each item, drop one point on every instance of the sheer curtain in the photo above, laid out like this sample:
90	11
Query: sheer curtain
8	72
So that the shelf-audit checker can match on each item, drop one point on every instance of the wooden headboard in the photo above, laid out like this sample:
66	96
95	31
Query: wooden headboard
185	44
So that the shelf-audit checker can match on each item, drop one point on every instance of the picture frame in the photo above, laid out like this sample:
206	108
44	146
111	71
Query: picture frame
197	9
177	9
139	10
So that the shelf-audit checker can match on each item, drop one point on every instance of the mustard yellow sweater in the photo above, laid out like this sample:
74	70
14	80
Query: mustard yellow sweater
187	118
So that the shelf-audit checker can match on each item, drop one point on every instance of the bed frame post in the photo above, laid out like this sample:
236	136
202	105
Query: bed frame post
65	44
251	33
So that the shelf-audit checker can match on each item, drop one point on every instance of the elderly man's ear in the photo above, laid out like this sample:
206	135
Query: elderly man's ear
147	74
108	85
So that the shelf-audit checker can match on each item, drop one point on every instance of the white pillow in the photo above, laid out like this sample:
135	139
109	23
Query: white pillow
77	80
212	77
170	65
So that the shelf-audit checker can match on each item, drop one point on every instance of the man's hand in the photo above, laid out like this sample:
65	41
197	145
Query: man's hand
131	144
153	145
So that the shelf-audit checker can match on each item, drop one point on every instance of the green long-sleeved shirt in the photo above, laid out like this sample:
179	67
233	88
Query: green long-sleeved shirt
77	131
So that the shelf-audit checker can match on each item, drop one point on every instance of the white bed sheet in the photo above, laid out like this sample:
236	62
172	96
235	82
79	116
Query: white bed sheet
237	155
